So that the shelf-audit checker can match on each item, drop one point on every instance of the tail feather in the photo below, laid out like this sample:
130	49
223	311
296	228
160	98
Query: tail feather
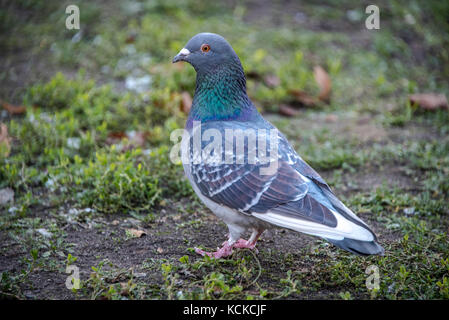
355	246
340	227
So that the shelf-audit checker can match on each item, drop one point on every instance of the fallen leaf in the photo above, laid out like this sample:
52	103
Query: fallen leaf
160	250
13	109
115	222
136	139
272	81
303	98
131	37
117	135
288	111
136	233
429	101
324	82
186	102
252	75
6	195
5	141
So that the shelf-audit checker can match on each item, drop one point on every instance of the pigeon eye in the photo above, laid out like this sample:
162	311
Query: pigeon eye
205	48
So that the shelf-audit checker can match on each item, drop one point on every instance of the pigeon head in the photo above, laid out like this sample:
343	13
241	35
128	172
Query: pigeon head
207	52
220	92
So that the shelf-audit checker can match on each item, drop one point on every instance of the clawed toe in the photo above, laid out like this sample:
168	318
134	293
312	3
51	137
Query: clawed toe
224	251
202	252
245	244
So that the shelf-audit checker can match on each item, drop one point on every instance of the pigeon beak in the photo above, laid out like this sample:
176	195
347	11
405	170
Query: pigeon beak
181	55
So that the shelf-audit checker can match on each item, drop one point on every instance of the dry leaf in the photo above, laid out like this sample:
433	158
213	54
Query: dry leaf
303	98
115	222
5	141
272	81
324	82
136	139
186	102
131	37
13	109
160	250
117	135
136	233
429	101
252	75
288	111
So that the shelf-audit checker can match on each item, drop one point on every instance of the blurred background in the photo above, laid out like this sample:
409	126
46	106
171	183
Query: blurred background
86	117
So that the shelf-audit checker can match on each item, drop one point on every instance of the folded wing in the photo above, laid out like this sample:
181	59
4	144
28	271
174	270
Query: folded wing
294	196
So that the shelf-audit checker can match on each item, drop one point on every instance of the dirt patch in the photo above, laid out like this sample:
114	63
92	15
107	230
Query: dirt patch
167	238
368	179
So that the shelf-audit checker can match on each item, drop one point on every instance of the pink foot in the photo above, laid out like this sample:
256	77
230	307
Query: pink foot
224	251
242	244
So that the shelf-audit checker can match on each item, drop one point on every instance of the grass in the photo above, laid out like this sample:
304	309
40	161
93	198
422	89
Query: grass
89	158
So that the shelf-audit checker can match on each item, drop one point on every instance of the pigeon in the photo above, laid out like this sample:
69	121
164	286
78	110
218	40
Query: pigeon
245	170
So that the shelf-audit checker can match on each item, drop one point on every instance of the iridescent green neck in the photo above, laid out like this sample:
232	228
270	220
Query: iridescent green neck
220	94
